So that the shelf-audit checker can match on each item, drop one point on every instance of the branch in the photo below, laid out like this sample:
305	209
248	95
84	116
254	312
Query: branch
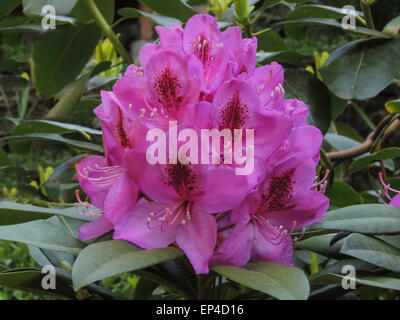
108	31
362	148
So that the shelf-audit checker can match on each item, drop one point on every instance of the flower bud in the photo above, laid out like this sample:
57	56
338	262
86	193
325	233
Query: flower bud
242	9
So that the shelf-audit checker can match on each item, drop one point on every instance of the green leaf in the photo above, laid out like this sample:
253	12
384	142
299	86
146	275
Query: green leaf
34	7
83	113
160	20
340	142
70	98
277	280
358	265
367	280
301	84
285	57
48	257
341	194
171	8
7	6
18	24
297	1
393	106
270	3
321	245
362	68
3	268
317	11
338	106
31	280
43	234
363	218
298	31
348	131
47	126
10	65
60	55
392	240
15	213
4	161
373	251
82	13
63	167
82	145
12	82
144	289
330	23
363	162
104	259
393	27
270	41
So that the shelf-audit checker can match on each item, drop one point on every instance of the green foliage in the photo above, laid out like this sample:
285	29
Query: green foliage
303	86
70	46
49	86
274	279
116	257
363	68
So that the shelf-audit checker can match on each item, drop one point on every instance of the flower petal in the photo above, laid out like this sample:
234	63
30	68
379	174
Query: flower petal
309	210
269	82
146	52
171	37
236	249
201	37
197	239
235	106
278	249
298	111
395	201
223	189
95	228
134	228
95	183
242	51
120	199
173	81
150	178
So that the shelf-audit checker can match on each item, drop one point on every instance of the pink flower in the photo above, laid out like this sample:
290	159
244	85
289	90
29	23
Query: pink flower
285	201
223	55
395	201
185	197
111	191
204	79
167	86
236	105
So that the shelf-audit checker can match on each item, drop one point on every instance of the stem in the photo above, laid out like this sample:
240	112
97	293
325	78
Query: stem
367	15
383	133
255	34
364	116
247	27
365	146
108	31
363	22
204	286
259	14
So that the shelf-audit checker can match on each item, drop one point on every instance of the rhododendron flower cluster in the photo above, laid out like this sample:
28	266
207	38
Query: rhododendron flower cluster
202	78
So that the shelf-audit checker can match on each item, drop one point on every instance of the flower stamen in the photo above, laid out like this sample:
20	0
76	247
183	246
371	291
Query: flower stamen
87	207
